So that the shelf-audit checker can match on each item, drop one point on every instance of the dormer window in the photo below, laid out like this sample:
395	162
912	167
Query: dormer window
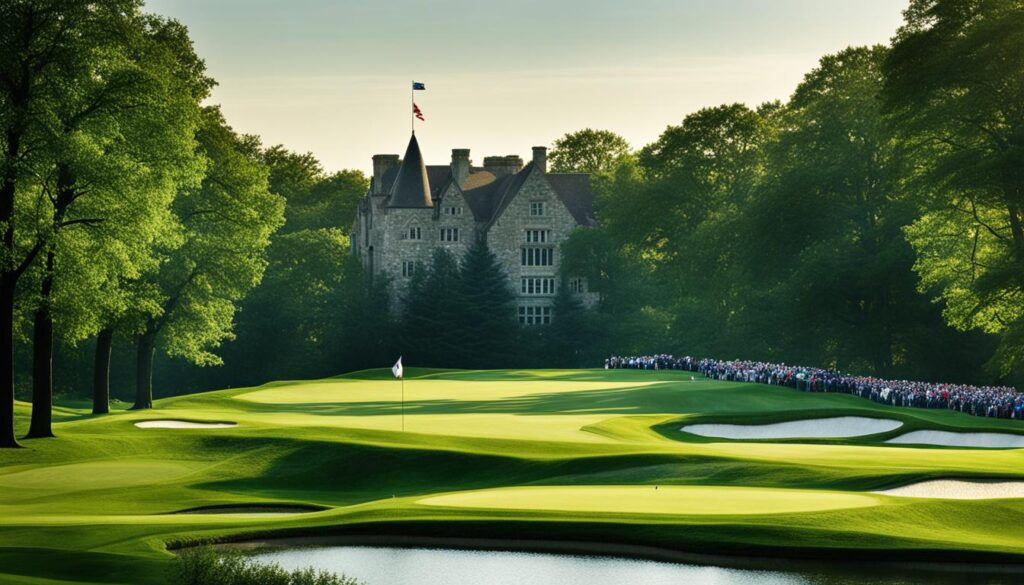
414	233
536	208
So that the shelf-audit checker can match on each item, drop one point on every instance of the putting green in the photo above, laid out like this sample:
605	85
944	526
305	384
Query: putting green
672	500
415	390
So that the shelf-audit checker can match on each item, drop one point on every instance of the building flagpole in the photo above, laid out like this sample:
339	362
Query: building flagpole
412	106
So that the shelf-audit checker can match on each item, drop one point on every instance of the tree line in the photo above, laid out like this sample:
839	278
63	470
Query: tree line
871	222
128	208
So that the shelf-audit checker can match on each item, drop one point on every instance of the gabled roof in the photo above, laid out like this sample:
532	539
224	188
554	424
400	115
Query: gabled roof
488	201
507	191
411	186
414	184
574	191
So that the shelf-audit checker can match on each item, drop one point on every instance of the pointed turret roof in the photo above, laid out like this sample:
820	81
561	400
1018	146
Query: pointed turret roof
411	187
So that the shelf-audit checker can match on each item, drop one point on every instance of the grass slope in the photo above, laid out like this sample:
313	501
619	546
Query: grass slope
543	454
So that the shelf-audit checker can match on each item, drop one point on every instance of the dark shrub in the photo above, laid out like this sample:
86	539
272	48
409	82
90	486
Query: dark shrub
204	566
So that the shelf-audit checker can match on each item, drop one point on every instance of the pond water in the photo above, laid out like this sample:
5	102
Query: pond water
839	426
420	566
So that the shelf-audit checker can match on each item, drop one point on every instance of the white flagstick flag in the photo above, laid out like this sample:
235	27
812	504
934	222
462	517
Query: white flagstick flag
397	368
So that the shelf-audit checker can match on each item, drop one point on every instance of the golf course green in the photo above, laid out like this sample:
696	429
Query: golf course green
575	455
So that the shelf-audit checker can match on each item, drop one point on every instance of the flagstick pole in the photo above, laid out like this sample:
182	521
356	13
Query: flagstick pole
403	401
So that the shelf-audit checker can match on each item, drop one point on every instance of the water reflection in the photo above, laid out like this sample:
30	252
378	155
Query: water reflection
423	566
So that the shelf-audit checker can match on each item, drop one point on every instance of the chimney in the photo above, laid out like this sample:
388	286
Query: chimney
460	165
500	166
540	158
381	164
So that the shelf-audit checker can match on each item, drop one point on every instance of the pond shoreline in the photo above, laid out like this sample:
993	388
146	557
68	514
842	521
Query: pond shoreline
626	551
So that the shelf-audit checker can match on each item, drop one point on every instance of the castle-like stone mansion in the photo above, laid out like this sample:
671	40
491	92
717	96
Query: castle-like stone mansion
522	212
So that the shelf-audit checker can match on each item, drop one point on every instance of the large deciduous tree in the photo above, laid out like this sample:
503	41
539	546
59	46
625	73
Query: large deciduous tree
45	48
291	324
955	87
588	151
700	177
226	225
122	144
825	232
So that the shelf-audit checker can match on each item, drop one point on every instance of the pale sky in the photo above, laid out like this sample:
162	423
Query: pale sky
332	77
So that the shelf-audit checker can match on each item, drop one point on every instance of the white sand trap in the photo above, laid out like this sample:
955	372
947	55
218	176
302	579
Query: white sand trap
953	489
840	426
183	424
947	439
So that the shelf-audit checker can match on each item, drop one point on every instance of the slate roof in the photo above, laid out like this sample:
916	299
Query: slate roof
411	186
414	184
437	178
574	191
489	201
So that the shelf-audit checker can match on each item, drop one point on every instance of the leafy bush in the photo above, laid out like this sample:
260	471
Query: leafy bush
204	566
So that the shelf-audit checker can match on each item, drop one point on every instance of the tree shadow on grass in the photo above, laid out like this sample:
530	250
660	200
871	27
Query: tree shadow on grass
336	474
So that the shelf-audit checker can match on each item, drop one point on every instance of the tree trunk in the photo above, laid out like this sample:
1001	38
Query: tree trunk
101	372
7	284
42	360
146	347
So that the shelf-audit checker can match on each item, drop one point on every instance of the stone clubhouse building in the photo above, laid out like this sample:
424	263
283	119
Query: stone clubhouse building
522	212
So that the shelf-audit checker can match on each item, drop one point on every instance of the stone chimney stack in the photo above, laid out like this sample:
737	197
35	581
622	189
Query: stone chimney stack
540	158
500	166
460	165
381	164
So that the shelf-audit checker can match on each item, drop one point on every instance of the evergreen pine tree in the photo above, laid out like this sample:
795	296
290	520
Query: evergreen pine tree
568	334
488	311
431	332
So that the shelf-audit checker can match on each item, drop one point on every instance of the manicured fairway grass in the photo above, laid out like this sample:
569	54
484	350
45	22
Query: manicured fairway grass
670	500
532	454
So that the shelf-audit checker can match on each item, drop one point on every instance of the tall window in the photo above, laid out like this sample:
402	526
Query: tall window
536	236
537	286
408	268
449	234
538	256
536	208
453	210
530	315
576	285
414	233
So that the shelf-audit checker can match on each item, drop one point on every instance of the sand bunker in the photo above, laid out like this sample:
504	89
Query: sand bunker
183	424
953	489
842	426
947	439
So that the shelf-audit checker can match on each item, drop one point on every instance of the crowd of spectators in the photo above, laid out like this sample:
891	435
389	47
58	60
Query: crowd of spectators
991	401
